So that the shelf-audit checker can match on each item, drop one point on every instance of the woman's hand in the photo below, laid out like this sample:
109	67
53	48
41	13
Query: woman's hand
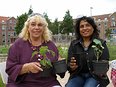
73	64
33	67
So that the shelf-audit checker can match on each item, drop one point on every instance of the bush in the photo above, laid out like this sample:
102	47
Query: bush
112	51
63	51
4	49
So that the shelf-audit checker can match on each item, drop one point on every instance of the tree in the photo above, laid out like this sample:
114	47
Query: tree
55	26
48	21
67	24
20	22
107	33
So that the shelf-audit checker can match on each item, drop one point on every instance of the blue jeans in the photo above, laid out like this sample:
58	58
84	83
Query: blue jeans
83	80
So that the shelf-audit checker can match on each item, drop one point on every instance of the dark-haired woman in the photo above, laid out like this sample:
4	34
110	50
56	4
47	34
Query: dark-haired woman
80	69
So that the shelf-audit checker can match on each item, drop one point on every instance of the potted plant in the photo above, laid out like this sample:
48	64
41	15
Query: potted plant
44	60
99	66
60	66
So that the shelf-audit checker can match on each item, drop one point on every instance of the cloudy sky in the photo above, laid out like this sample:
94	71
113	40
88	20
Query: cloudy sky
57	8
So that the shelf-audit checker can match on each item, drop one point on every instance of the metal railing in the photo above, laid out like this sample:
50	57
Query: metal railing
3	57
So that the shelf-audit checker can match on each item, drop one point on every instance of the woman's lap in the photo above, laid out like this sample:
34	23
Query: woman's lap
91	82
79	81
74	82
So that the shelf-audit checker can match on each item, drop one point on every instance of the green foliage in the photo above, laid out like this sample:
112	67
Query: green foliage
98	48
63	51
4	49
43	57
20	22
67	24
112	51
48	21
55	28
1	83
107	33
64	27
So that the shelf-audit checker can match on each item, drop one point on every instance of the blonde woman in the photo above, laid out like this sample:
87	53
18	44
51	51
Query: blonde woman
24	71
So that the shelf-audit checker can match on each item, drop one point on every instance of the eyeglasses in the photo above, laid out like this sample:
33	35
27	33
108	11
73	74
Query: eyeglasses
34	14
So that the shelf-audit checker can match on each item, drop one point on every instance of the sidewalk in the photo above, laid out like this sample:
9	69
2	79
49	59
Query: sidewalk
65	79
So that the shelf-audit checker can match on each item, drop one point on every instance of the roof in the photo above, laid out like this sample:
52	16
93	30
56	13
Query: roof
3	18
102	16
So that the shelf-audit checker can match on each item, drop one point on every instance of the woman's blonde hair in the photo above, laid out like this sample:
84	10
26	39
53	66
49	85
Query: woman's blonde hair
47	34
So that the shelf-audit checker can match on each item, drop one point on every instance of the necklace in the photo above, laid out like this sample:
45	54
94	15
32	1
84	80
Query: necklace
36	50
35	43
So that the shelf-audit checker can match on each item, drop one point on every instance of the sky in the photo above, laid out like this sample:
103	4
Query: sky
57	8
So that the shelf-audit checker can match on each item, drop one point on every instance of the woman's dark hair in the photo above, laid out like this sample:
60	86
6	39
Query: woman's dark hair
91	21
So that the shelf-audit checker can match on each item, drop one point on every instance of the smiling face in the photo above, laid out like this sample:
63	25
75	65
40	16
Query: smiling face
86	30
36	28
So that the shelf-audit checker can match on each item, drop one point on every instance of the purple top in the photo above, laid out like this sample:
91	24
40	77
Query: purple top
20	53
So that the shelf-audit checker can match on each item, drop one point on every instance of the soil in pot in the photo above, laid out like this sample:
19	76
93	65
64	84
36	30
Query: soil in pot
60	66
100	67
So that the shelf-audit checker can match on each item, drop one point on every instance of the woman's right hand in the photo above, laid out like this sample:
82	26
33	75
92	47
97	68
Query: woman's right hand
73	64
33	67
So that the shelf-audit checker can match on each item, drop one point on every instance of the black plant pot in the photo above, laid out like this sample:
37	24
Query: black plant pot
100	67
60	66
47	72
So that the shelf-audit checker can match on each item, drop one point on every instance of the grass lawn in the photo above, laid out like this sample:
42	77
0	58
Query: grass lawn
4	49
112	51
1	83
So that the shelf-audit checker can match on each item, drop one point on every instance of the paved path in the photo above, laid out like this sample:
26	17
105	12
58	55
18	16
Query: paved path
65	79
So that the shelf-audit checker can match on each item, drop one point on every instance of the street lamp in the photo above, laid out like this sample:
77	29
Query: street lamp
91	11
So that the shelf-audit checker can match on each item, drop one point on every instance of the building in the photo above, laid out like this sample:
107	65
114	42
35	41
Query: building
104	22
113	25
7	30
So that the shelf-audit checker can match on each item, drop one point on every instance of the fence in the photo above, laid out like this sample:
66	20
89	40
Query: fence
61	39
3	57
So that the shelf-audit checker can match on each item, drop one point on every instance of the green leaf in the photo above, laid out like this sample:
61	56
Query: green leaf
34	52
98	48
43	50
97	42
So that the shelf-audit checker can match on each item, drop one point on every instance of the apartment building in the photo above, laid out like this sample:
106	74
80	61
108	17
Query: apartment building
104	22
113	24
7	30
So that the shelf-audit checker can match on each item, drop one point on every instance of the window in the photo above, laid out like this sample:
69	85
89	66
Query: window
105	19
8	33
2	20
99	19
113	19
3	33
3	27
3	41
14	21
10	21
99	25
14	34
113	23
105	23
10	28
